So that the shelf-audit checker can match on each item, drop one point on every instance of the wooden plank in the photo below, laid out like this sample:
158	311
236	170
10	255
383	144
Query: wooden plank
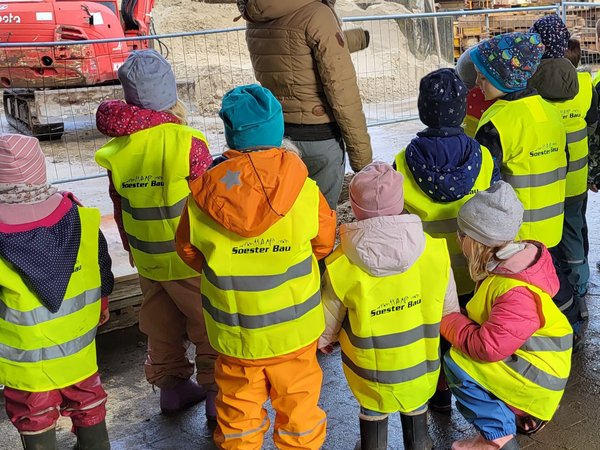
125	303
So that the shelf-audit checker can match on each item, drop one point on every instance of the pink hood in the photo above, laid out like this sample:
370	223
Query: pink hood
532	265
384	246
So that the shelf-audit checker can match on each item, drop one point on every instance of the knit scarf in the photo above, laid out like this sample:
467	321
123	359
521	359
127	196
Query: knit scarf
25	193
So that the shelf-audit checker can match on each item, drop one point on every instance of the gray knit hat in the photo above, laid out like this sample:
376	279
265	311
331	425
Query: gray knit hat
466	70
148	81
493	216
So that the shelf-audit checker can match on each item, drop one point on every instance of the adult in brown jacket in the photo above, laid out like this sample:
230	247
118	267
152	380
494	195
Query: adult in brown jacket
301	55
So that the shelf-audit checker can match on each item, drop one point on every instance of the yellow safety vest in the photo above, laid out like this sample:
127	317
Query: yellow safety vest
439	219
533	379
470	125
573	114
261	295
149	171
391	335
534	162
42	351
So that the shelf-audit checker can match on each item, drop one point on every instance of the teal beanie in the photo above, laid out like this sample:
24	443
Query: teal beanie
253	118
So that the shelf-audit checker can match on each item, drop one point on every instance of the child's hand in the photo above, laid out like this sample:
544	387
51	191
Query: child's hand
328	349
104	316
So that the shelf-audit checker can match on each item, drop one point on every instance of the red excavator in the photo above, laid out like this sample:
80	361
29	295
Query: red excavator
31	75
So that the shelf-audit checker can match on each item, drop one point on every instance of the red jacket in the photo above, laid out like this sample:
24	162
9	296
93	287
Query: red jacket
514	317
116	118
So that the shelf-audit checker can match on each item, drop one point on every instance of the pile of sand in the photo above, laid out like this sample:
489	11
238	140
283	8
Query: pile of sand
387	70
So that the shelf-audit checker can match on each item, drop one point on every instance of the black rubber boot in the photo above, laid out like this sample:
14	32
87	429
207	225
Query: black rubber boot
41	441
93	438
373	435
415	432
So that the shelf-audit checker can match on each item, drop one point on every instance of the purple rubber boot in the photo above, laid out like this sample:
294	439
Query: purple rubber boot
185	394
211	408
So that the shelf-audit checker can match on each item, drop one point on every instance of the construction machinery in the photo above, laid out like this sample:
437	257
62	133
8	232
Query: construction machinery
35	76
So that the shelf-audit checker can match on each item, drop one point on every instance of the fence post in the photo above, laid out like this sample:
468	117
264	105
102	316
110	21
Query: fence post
563	11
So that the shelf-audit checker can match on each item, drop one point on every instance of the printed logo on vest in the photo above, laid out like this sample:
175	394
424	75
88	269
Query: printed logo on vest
546	149
143	181
262	245
397	304
77	266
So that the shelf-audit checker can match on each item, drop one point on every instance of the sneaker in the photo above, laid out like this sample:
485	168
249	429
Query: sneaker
185	394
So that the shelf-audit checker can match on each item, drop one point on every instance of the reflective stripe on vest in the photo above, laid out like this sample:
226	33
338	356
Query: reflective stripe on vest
152	198
42	314
573	113
154	213
272	297
534	377
439	219
533	141
42	351
394	376
390	337
47	353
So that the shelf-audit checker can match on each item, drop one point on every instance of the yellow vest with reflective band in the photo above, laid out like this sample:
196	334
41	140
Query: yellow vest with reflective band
390	338
533	379
573	113
534	162
261	295
149	170
42	351
439	219
470	125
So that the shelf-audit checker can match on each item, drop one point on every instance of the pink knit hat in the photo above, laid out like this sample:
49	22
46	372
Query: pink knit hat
377	191
21	160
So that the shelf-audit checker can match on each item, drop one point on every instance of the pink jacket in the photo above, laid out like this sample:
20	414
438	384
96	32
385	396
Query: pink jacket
116	118
514	317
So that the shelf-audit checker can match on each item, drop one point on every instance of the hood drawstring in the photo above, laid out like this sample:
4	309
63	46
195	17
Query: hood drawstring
262	185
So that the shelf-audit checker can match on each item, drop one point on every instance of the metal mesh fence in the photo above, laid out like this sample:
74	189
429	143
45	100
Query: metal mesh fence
403	48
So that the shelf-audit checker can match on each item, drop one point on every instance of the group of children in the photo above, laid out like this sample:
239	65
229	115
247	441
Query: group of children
462	238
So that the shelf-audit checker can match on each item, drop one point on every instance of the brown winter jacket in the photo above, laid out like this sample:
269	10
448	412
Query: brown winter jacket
299	52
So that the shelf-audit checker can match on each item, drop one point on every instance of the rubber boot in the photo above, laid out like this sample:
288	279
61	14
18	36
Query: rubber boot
41	441
211	408
415	432
373	435
92	438
185	394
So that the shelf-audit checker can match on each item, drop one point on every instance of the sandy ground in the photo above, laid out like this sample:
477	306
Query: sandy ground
135	422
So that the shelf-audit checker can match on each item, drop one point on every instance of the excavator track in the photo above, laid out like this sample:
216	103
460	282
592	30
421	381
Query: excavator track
20	111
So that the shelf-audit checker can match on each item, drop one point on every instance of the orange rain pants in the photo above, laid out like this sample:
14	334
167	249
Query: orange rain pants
293	382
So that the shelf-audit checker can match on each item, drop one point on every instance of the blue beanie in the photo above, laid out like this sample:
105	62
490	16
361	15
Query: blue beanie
442	99
253	118
508	60
554	33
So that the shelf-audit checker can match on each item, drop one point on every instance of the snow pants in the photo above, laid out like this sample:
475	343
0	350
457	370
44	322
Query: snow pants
171	316
36	412
326	164
491	416
572	251
292	382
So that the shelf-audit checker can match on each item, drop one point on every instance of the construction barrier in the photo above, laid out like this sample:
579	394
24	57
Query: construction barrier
207	63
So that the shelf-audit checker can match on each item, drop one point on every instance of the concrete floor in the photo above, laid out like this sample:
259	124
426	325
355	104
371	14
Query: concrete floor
135	421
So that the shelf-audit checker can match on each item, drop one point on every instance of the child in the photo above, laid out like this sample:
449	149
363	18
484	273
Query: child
255	226
149	162
558	82
56	278
386	288
476	103
443	169
523	132
511	353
